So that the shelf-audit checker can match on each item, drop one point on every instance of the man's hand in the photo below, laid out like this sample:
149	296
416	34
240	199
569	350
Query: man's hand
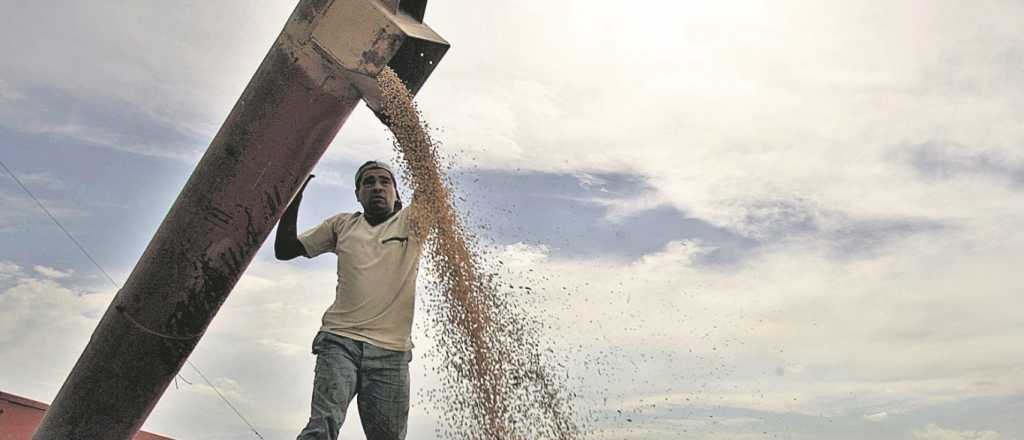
287	244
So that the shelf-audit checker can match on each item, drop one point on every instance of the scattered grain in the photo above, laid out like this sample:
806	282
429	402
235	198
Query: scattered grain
496	383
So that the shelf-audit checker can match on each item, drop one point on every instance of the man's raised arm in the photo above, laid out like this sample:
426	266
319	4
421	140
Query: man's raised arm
286	243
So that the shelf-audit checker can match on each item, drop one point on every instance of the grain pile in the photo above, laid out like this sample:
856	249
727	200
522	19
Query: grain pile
496	383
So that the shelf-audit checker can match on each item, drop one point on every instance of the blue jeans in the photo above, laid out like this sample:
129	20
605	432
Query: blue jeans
346	368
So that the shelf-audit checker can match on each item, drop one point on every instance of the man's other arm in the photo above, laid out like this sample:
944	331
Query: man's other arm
286	243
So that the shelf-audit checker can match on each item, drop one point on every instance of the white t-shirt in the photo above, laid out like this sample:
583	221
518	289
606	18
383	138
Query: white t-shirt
377	268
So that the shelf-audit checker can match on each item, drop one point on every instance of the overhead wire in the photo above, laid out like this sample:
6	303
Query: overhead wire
68	234
225	399
118	286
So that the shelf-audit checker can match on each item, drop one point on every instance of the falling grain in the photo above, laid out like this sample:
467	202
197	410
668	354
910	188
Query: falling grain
497	385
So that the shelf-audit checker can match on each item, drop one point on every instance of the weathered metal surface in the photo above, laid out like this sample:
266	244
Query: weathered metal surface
396	39
280	127
376	36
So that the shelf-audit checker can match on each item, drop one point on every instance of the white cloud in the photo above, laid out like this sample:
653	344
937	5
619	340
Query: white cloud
876	417
760	117
620	209
8	270
283	348
624	86
848	333
178	68
52	273
256	352
523	256
843	332
934	432
43	327
724	108
7	93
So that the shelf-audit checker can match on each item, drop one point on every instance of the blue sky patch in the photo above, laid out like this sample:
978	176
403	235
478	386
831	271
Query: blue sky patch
561	211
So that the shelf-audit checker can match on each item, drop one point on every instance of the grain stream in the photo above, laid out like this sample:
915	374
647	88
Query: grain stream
496	383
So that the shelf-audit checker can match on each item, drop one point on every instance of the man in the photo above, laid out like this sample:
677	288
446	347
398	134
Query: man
364	346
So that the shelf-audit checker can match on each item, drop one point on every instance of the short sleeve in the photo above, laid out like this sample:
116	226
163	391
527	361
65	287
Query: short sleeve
321	238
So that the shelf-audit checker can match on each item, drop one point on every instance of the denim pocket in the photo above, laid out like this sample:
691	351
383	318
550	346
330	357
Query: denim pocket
320	336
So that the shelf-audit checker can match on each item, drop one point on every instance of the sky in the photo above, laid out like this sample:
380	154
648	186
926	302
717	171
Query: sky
741	219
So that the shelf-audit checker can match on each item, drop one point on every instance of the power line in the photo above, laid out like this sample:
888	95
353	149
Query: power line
72	238
118	286
225	399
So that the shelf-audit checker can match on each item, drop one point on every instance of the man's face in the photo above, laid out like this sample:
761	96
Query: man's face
376	192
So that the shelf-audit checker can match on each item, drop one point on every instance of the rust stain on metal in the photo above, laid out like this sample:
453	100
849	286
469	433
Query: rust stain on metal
375	57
